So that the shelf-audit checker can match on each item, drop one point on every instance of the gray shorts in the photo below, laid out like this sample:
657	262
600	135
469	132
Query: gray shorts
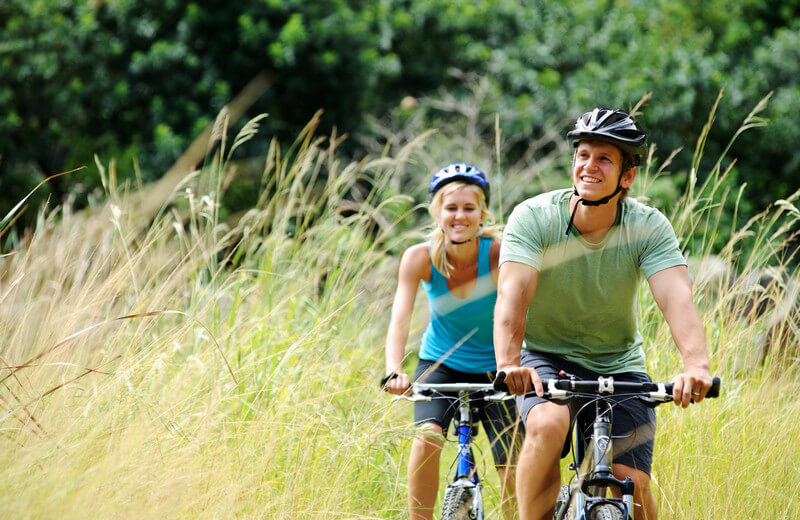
634	423
499	419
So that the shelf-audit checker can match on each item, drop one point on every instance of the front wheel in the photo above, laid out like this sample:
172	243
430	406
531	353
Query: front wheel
563	498
606	512
459	502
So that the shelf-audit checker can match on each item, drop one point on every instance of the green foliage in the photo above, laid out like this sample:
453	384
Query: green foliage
239	378
124	79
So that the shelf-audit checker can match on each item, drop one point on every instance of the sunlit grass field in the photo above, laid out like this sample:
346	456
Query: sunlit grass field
179	364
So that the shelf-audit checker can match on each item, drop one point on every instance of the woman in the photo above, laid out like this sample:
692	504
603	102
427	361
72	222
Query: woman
458	269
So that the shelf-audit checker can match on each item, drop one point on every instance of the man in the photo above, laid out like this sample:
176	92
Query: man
570	264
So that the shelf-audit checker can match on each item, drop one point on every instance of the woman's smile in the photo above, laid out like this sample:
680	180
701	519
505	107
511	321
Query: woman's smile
460	217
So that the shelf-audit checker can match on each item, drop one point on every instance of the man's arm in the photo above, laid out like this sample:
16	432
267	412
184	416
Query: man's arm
516	286
672	292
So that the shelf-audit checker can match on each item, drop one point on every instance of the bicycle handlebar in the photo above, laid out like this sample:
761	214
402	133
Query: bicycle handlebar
424	391
455	387
563	388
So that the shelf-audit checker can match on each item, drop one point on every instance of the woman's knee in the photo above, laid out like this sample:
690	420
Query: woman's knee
429	438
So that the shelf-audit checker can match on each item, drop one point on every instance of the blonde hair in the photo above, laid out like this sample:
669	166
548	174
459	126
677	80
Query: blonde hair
437	236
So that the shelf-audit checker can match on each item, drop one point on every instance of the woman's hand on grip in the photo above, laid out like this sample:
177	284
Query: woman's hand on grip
398	385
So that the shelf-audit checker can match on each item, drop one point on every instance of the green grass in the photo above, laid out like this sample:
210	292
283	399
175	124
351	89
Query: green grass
250	388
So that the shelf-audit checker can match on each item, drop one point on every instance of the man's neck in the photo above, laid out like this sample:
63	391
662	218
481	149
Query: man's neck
594	222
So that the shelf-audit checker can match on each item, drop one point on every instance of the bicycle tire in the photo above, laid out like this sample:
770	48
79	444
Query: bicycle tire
457	504
606	512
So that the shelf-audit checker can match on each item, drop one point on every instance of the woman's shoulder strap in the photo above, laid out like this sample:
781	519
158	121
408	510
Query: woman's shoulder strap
484	250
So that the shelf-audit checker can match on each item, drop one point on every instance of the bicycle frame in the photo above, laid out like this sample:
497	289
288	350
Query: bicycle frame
465	462
595	474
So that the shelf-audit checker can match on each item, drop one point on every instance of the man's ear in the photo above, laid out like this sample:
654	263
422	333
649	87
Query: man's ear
627	178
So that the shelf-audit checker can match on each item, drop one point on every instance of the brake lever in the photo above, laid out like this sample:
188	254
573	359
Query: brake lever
496	397
413	398
561	399
650	402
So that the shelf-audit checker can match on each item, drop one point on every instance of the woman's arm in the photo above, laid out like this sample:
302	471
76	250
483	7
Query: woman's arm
414	266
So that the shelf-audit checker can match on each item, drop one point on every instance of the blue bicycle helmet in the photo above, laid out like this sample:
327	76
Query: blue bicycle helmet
459	172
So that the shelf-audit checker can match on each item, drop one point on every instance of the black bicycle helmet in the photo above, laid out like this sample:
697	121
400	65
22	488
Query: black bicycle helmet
614	127
459	172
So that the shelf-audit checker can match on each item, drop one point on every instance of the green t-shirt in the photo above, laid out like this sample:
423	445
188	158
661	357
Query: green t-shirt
585	304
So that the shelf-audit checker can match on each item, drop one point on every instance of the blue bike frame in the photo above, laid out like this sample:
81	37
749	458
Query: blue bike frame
465	467
466	474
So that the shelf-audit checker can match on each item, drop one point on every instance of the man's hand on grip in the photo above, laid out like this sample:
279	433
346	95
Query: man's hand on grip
522	380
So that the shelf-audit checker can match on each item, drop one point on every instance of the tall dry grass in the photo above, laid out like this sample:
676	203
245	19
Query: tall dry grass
183	366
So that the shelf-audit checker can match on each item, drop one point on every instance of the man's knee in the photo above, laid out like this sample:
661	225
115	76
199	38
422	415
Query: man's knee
548	422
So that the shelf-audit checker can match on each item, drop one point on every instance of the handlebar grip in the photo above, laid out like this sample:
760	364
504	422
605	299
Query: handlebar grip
714	390
499	382
388	377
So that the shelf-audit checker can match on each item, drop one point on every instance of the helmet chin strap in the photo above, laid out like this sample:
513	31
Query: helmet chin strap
585	202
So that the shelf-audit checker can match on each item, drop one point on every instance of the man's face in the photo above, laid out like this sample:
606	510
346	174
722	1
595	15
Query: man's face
597	168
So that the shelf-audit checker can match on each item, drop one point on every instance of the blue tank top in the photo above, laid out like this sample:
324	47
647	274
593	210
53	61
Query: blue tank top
460	331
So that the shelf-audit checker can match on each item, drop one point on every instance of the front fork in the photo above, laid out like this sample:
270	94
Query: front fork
601	476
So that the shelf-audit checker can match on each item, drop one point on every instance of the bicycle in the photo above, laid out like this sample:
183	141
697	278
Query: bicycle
585	497
463	498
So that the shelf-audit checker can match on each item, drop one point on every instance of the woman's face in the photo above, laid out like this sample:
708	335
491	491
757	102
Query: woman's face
460	216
